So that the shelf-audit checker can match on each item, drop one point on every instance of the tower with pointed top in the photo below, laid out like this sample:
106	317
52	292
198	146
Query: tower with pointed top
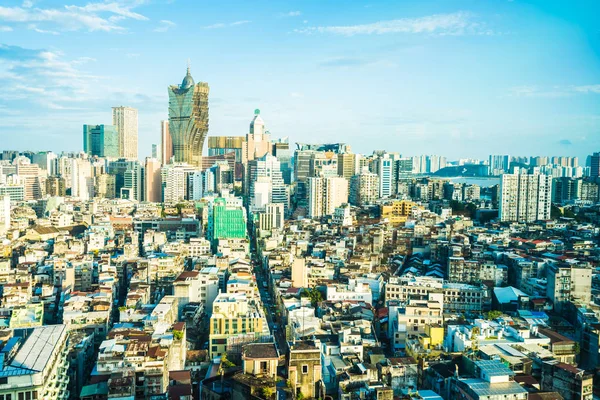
188	119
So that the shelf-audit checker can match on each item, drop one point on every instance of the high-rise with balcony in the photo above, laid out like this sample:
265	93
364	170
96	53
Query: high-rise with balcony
525	197
188	119
125	119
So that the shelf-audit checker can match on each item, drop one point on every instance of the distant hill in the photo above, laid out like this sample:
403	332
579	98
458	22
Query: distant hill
463	170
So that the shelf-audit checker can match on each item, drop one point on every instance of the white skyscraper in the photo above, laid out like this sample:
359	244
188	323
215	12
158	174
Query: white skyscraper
175	179
525	197
266	183
386	178
82	181
126	121
325	194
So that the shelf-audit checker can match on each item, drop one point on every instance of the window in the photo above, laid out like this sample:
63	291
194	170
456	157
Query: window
305	369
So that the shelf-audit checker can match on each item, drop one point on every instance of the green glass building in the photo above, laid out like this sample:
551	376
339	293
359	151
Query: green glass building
101	140
228	222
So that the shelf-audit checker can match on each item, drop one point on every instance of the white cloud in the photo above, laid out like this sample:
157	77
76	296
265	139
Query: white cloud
5	29
226	25
587	89
33	27
291	14
553	91
458	23
165	25
296	95
91	17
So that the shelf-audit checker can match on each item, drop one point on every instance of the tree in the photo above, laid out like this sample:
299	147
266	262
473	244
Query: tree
315	296
267	392
555	212
178	335
492	315
225	362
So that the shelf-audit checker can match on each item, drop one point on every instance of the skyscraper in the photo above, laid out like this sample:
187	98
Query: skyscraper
125	119
188	119
153	181
325	194
385	170
258	141
101	140
525	197
166	144
595	165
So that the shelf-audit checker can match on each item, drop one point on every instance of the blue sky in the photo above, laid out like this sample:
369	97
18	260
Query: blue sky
458	78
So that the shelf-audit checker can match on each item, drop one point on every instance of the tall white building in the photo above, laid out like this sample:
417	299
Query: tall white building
325	194
175	178
386	177
266	183
4	213
525	197
272	218
82	180
126	121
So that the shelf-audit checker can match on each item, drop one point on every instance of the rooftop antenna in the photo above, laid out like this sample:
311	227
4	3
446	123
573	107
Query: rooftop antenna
189	65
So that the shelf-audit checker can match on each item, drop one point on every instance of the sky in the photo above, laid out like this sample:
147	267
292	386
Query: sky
455	78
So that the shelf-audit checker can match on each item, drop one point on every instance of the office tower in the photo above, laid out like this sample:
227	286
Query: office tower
175	182
258	140
221	145
55	186
4	213
325	194
125	119
385	172
123	179
525	197
364	188
166	144
153	181
565	189
346	165
595	165
154	151
323	164
499	164
588	191
196	185
316	189
188	119
265	183
104	186
32	177
47	161
404	168
281	150
272	218
82	182
101	140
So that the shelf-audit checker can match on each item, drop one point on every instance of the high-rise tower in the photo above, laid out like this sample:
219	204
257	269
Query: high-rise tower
125	119
188	119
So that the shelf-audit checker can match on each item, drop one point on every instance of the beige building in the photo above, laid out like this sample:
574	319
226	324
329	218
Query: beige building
125	119
234	315
153	181
166	143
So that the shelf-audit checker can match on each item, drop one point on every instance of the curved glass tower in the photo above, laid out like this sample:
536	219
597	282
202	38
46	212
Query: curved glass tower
188	119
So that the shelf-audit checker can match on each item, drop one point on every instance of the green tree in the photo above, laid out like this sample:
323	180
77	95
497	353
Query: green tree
491	315
555	212
267	392
315	296
178	335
